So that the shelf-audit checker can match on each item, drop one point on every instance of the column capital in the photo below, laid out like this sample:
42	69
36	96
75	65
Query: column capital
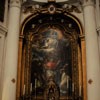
88	3
15	3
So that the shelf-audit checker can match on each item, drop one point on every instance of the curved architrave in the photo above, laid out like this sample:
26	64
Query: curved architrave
30	17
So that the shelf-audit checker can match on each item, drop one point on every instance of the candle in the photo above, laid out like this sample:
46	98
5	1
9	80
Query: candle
31	88
67	82
72	87
35	82
24	90
80	88
35	87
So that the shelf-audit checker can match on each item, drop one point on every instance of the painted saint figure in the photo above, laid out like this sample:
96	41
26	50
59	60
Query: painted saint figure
64	83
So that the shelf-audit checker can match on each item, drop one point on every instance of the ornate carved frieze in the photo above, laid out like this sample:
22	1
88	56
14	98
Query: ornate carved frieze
50	7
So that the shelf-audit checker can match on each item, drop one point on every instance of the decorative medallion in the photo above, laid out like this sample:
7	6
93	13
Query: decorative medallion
51	9
90	81
13	80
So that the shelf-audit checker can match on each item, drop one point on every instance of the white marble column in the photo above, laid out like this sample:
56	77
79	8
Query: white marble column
92	52
10	69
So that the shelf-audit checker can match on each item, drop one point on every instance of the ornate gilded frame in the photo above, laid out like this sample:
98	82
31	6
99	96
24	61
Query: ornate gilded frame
72	34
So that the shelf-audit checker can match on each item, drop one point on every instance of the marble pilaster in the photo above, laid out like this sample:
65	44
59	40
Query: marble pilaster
92	52
11	59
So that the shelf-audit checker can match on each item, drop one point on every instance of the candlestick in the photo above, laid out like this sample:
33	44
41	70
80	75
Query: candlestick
24	90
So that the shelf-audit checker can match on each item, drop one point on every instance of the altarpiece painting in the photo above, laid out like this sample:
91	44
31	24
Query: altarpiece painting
50	62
